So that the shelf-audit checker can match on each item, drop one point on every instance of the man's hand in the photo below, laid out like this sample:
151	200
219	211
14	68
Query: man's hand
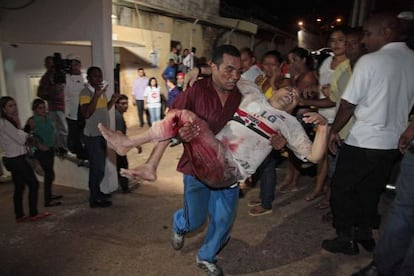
406	137
277	141
334	142
188	132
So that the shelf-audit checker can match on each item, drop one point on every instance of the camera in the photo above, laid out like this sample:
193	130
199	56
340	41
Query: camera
62	67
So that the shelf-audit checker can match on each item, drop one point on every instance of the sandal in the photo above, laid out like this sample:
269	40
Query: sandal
21	219
288	190
312	197
259	211
39	216
322	205
53	203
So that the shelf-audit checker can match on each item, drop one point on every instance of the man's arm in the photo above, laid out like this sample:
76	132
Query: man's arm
406	137
319	144
345	112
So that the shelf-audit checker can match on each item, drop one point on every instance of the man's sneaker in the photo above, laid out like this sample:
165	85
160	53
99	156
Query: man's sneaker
177	240
341	244
211	268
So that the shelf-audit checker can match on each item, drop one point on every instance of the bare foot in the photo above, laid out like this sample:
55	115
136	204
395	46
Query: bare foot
116	140
143	172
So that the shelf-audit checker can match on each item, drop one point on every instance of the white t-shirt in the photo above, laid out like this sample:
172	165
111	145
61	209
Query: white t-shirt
247	134
12	140
153	96
325	77
74	85
382	88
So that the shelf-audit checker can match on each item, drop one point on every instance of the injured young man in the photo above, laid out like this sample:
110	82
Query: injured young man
241	146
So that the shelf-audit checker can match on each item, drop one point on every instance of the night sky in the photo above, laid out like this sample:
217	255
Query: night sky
286	13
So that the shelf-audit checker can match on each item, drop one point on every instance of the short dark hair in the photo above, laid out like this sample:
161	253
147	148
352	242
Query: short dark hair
140	68
36	102
224	49
274	53
93	68
122	97
304	53
248	51
173	80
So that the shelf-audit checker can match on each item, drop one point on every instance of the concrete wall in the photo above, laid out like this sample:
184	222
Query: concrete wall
131	58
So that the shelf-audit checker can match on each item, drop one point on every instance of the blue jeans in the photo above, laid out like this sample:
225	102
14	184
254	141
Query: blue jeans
394	253
201	201
155	114
96	147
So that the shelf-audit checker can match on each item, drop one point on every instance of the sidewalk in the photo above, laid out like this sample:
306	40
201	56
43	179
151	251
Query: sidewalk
132	236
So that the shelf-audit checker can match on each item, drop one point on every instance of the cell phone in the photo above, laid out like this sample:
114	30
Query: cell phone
104	84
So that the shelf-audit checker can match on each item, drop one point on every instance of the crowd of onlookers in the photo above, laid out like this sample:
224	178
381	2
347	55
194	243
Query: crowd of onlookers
363	87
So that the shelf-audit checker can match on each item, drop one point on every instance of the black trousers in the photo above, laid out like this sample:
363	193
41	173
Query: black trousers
47	161
75	144
122	162
359	179
22	174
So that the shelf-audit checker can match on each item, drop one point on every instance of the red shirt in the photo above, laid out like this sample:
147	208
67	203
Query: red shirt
203	100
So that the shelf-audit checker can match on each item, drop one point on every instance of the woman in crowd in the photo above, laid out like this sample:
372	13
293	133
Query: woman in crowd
40	125
326	106
152	99
304	78
13	142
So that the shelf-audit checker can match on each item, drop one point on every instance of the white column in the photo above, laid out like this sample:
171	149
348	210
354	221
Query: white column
103	57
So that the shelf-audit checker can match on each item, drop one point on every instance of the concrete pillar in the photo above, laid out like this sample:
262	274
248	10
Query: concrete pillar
103	57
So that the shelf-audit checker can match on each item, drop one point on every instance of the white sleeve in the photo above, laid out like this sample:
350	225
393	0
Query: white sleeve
360	80
248	87
297	139
16	135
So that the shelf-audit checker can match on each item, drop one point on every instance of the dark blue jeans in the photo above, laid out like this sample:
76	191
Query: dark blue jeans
266	174
96	147
394	253
140	109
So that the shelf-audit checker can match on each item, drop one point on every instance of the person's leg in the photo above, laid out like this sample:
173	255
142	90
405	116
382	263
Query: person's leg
347	175
140	109
61	128
72	129
13	165
268	181
97	156
395	248
378	165
46	160
122	162
152	114
320	181
157	114
162	130
222	211
147	114
196	204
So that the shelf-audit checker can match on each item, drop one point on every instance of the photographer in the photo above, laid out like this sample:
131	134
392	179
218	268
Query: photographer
51	89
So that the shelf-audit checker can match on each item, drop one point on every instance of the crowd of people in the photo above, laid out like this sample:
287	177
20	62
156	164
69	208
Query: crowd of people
236	116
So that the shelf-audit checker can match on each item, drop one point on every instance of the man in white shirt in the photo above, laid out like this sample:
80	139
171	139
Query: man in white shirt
379	95
138	90
75	83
